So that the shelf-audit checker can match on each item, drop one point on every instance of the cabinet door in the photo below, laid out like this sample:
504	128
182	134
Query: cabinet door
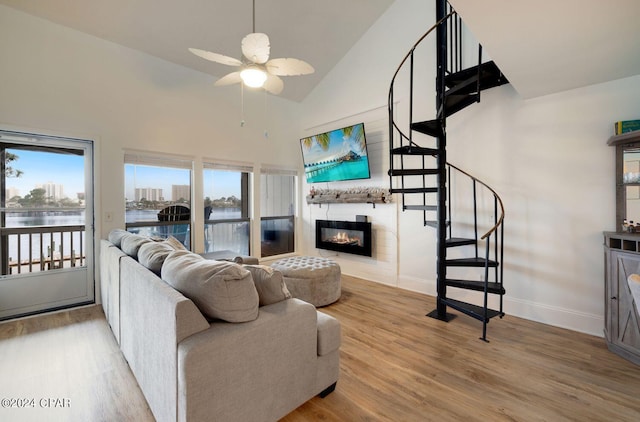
610	291
625	320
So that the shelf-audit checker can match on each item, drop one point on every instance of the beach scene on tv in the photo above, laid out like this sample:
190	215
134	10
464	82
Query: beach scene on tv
337	155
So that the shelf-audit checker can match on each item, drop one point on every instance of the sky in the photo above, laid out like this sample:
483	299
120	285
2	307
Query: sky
68	170
42	167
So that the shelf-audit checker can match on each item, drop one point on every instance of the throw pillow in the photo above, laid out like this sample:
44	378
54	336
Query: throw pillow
152	255
221	290
116	235
131	244
175	243
269	284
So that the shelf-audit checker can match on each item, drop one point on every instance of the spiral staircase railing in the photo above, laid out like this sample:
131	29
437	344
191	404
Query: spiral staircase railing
451	97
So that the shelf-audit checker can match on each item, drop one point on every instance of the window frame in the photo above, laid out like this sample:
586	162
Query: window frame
169	161
246	174
292	218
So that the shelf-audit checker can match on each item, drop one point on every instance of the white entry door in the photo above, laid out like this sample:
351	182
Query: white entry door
46	223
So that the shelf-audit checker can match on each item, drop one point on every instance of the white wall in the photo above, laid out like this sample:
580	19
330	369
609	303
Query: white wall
58	81
55	80
356	90
546	157
550	162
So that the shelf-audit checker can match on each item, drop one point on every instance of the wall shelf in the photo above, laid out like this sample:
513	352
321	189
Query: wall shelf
350	196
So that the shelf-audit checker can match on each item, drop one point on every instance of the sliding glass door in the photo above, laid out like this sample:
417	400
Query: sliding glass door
46	223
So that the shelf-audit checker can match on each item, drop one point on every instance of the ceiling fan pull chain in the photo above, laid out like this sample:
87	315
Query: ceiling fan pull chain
266	110
254	16
241	104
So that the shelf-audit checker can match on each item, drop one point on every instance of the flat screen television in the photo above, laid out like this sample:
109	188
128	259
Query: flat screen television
340	154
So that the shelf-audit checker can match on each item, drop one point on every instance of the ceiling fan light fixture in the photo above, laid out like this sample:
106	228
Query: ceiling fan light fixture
253	77
256	70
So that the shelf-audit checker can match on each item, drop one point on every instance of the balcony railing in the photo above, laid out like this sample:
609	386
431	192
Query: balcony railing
163	229
230	234
34	249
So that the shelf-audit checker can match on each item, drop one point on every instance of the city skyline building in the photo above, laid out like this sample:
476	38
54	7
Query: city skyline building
55	191
150	194
12	191
180	192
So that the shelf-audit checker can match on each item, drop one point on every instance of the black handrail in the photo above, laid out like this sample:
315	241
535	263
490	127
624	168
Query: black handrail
495	195
448	38
392	123
393	127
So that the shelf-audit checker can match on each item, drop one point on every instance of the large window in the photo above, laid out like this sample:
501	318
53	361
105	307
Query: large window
277	211
226	200
158	196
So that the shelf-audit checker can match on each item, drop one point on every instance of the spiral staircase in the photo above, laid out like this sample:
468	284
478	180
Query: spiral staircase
420	174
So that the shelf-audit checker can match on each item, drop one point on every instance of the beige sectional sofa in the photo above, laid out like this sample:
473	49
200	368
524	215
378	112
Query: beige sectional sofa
190	362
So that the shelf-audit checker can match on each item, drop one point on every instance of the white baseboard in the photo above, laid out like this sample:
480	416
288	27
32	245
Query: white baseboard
553	315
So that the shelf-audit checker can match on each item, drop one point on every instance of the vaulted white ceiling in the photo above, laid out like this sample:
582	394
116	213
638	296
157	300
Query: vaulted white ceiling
319	32
548	46
543	46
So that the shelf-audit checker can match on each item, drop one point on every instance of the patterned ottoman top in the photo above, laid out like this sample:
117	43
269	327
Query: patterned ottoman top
298	266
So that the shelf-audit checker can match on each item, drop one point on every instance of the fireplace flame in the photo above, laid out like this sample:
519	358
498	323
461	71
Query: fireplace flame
342	238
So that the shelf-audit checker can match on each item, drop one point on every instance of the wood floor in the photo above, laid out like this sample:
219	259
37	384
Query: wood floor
396	365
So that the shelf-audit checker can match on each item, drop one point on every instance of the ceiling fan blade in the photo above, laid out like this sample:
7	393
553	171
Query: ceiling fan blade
256	47
215	57
229	79
273	84
288	67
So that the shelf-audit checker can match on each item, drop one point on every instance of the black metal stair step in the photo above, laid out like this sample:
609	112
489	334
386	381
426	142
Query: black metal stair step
470	262
420	207
413	190
468	86
490	76
493	288
452	242
412	172
428	127
413	150
455	103
473	311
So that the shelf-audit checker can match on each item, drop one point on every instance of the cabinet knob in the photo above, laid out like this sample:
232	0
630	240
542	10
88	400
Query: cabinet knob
614	298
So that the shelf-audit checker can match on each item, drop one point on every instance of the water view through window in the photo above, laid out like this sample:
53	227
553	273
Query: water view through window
158	198
227	224
46	230
43	189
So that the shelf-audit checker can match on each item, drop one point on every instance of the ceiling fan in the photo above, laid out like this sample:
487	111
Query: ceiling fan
256	70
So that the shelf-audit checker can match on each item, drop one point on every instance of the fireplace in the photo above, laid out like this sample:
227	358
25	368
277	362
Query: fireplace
344	236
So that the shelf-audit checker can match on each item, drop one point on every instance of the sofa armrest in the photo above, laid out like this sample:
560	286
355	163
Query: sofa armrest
110	284
269	363
328	334
154	318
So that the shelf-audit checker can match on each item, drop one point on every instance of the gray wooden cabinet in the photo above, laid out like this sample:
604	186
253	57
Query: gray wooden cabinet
622	322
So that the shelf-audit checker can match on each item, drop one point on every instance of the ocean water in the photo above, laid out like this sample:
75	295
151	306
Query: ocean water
345	170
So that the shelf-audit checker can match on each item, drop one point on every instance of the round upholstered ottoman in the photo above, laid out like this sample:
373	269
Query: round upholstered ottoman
313	279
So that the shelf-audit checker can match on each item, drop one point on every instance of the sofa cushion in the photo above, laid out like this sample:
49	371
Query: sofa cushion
152	255
176	244
116	235
131	243
221	290
269	284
